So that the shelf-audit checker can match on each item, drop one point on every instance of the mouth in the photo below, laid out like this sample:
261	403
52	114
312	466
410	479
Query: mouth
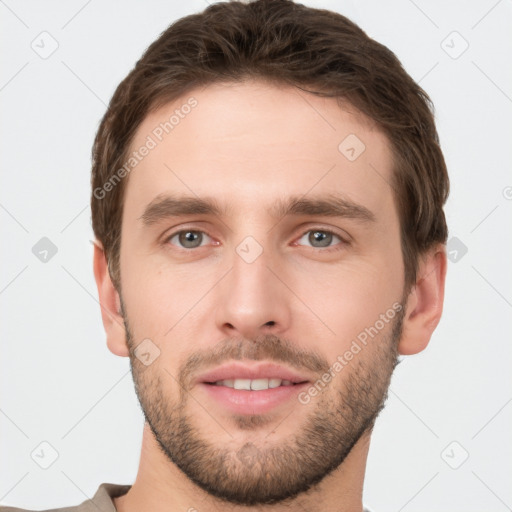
253	377
254	384
252	389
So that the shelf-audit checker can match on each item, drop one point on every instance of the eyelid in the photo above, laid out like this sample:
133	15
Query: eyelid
339	233
175	230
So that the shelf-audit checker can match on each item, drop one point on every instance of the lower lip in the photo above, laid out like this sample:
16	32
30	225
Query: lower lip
243	401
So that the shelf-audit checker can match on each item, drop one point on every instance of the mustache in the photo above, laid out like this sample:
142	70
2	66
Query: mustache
265	347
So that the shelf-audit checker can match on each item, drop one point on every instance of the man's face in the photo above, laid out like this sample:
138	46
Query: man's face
251	286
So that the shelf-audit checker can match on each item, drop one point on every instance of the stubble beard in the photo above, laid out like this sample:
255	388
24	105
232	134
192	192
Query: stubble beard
271	472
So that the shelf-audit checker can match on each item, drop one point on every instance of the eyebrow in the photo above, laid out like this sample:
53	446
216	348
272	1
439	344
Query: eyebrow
166	206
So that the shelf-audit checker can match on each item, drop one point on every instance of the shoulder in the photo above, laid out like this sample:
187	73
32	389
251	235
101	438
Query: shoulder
101	501
4	508
76	508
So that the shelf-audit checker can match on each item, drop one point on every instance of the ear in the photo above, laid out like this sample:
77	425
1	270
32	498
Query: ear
110	304
425	302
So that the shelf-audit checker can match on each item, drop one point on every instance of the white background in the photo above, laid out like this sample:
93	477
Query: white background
59	382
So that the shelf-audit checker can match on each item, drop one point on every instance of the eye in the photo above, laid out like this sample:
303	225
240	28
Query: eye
194	238
322	238
188	238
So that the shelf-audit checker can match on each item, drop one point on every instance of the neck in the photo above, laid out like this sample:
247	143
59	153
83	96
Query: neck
161	486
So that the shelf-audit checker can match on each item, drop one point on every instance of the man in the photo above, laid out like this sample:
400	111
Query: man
267	201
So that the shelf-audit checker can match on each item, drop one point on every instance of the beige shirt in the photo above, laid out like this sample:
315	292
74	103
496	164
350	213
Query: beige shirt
100	502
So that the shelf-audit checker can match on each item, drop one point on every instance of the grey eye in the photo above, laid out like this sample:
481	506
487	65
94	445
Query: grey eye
322	237
188	239
319	238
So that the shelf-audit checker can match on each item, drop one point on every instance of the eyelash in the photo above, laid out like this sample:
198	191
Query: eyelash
344	242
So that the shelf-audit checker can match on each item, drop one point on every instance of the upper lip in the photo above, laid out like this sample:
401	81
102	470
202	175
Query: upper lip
233	371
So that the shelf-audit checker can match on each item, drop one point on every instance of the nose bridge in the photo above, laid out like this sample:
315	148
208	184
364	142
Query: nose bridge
250	265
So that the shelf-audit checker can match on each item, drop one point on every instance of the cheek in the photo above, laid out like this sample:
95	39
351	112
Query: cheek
166	301
356	295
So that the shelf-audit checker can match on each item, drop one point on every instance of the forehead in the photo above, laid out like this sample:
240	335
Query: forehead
252	143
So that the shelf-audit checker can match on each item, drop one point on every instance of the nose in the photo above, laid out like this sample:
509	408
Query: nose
253	299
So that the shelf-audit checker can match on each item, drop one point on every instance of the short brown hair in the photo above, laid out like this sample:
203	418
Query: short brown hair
288	44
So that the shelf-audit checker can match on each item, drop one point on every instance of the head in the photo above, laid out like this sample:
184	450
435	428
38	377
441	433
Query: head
267	186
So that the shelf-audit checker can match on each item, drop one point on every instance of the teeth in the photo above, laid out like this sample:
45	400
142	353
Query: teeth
242	384
274	383
254	385
258	384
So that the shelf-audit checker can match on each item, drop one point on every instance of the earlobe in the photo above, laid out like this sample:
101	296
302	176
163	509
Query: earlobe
110	304
425	303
